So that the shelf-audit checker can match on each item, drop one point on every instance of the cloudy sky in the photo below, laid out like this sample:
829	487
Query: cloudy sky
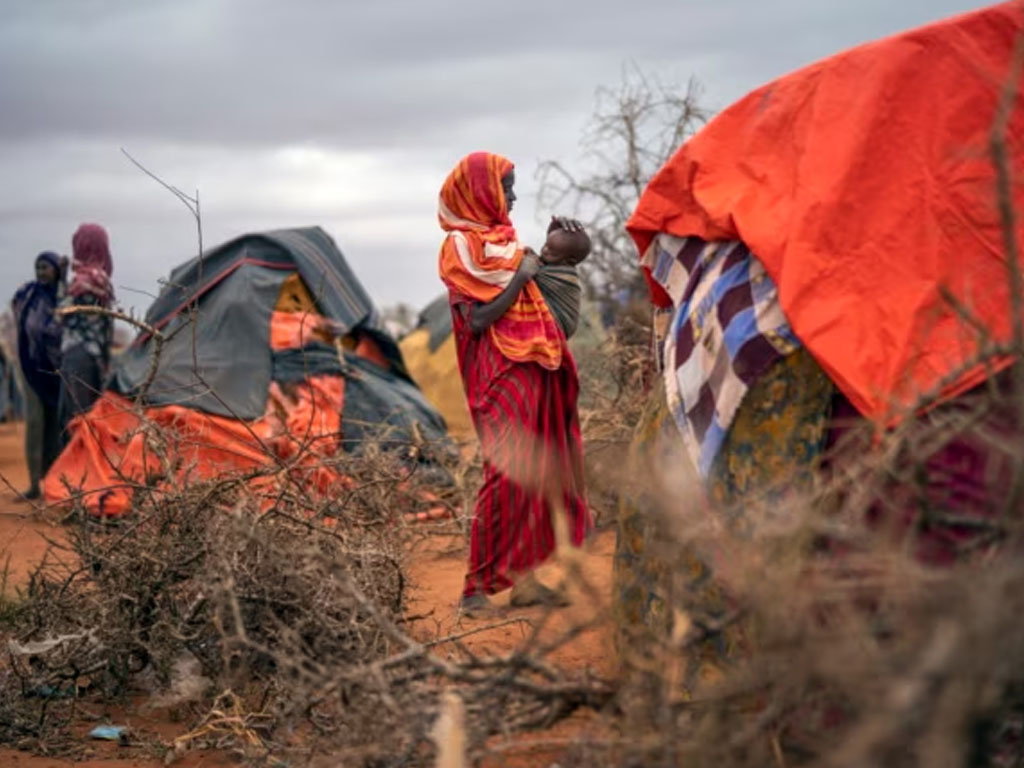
343	113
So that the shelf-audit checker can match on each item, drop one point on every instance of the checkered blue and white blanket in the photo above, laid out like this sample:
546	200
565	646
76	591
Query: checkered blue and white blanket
726	330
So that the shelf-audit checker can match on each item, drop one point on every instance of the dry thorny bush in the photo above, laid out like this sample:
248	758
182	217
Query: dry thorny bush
272	624
614	380
852	635
277	626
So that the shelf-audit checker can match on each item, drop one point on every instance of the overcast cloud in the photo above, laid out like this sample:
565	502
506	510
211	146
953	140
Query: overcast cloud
341	113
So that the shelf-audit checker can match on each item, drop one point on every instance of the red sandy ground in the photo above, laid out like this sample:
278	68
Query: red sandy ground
436	573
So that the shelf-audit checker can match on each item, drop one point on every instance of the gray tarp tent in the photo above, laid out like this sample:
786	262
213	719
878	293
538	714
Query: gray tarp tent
232	292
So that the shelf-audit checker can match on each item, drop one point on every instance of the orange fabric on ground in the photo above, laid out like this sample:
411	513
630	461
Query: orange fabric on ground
865	185
109	453
481	254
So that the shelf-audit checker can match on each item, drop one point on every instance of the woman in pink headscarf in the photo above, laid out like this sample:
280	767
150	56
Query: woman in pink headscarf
85	344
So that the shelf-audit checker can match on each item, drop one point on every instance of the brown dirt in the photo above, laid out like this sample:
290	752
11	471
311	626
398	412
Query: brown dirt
437	568
24	527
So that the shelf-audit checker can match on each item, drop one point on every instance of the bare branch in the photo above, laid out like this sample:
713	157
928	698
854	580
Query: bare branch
633	131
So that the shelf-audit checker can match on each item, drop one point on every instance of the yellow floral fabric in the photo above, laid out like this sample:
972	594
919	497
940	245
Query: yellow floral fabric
778	435
773	448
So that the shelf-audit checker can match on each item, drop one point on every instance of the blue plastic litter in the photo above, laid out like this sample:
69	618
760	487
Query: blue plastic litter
108	732
49	692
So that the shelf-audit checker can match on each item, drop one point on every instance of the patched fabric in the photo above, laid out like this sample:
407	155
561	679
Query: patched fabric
778	436
727	329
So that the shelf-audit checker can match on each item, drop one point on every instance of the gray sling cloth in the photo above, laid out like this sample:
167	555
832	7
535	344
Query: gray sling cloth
560	287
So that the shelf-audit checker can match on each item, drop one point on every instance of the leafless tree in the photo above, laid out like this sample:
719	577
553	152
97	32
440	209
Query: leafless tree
635	128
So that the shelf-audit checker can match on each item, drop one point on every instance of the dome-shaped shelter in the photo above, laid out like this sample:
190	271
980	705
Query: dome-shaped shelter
269	347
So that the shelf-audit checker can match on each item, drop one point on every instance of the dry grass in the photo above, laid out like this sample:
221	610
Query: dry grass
275	625
614	380
870	620
272	621
278	628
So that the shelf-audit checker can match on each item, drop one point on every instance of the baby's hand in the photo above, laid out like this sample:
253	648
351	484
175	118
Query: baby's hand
565	223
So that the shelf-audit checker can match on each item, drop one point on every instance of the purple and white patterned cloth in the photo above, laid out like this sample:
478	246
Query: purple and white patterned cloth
727	329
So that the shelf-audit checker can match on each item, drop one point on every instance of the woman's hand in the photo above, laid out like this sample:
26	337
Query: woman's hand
530	265
483	316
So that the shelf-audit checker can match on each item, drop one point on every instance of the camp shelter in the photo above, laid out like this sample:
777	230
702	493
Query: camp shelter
866	186
269	349
429	352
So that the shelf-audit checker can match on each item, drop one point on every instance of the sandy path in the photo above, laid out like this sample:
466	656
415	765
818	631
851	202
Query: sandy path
23	528
436	572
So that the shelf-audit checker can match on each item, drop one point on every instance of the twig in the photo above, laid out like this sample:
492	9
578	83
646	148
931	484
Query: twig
155	334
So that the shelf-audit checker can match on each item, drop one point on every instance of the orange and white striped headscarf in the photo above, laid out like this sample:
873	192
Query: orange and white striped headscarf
481	254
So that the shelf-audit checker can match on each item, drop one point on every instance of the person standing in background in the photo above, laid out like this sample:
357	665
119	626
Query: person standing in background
86	340
39	342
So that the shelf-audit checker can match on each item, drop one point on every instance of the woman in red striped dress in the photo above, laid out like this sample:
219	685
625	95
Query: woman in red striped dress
521	385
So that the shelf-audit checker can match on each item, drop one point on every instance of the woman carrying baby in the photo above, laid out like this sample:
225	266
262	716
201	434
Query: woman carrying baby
520	381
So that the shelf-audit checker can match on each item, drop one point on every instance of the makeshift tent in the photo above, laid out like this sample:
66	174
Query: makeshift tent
271	349
866	186
429	352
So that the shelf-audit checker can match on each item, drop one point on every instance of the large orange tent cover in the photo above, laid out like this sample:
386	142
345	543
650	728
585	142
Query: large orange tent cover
865	184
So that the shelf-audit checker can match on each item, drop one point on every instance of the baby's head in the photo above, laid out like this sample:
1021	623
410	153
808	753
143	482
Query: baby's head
565	247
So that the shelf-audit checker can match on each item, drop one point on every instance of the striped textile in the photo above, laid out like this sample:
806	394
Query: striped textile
526	419
481	254
726	330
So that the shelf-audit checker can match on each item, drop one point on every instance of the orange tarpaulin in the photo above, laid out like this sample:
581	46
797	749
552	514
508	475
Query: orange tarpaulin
112	450
865	185
109	453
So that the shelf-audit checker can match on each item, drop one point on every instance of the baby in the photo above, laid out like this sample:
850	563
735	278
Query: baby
567	243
